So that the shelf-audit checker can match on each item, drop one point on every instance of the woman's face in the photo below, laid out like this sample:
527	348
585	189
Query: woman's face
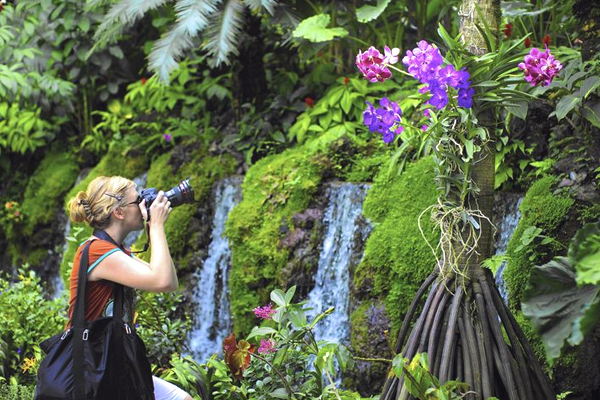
131	210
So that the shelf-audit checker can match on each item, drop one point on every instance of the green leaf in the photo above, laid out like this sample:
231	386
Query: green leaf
289	295
519	110
279	393
592	114
314	29
558	308
368	12
588	86
346	102
298	318
584	253
565	105
278	297
264	331
84	24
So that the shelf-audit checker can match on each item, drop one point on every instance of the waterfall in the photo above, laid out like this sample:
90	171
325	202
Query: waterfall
211	295
56	284
343	229
507	215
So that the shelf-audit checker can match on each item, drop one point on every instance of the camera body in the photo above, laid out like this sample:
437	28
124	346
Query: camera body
183	193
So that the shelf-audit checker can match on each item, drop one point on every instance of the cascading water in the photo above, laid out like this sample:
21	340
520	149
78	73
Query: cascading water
507	215
211	295
57	286
343	229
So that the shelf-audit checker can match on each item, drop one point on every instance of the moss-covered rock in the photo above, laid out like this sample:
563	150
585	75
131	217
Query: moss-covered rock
46	188
274	189
397	258
543	209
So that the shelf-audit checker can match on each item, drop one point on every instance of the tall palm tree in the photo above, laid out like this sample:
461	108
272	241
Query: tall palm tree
463	322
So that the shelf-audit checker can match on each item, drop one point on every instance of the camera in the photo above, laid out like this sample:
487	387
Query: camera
180	194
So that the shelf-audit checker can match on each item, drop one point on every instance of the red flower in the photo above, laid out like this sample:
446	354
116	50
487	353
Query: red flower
144	80
309	101
508	29
546	40
8	204
17	213
346	80
527	43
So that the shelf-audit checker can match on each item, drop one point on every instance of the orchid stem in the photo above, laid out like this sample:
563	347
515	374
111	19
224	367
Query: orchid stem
287	385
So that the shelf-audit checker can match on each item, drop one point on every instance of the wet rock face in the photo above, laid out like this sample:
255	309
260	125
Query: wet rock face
368	377
302	240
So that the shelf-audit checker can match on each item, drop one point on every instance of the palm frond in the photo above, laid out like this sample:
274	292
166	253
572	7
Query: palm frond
192	15
163	58
124	13
223	33
192	18
258	5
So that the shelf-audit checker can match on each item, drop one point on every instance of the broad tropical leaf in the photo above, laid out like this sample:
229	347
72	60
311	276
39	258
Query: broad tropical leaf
559	309
223	33
315	29
368	12
584	252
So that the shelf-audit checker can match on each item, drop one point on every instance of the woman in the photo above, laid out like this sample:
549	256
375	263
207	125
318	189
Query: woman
111	205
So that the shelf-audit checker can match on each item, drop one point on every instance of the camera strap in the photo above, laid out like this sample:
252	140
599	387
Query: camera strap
101	234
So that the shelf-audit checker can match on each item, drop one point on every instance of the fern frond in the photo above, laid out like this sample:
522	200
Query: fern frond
258	5
192	18
223	33
124	13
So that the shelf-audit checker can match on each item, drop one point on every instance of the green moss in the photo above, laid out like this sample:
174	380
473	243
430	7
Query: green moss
52	179
533	337
359	326
543	209
589	213
397	258
274	189
115	162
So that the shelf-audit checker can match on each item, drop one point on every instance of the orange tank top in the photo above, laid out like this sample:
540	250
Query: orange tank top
98	293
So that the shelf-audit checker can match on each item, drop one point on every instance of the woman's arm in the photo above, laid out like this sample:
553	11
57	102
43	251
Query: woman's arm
157	276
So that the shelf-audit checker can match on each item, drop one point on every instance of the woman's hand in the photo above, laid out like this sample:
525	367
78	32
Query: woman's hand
159	210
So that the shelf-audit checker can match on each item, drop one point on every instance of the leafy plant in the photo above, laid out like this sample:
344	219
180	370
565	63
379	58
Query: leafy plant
422	384
163	330
562	301
26	319
289	363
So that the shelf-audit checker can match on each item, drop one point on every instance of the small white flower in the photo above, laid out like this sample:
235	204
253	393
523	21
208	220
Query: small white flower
3	1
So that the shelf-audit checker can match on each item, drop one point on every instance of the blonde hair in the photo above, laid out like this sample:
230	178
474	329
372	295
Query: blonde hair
95	205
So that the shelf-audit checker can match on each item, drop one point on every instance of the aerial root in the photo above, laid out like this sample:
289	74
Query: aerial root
469	335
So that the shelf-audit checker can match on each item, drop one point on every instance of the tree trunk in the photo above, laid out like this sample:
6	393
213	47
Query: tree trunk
464	326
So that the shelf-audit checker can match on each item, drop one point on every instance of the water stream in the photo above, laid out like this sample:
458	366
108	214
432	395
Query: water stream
343	231
507	215
211	295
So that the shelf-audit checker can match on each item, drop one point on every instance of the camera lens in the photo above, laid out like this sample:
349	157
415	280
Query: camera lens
181	194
